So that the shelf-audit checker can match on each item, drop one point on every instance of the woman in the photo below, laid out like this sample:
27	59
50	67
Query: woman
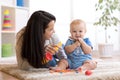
37	38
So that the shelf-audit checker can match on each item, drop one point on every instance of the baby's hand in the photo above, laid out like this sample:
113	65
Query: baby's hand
77	43
80	40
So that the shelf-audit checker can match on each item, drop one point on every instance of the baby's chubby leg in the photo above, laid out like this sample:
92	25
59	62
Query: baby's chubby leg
62	65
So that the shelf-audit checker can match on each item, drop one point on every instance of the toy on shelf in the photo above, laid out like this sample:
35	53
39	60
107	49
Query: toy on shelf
20	3
7	20
48	55
7	50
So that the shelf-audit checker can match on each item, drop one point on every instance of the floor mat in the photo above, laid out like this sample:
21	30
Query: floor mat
105	71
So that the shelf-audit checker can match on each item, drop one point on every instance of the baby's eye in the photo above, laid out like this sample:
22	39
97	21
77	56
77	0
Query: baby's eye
74	31
80	31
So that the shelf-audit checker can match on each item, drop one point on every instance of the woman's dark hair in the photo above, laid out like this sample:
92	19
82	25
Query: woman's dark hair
33	38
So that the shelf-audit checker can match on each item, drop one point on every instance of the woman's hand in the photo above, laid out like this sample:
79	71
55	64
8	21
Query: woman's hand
51	49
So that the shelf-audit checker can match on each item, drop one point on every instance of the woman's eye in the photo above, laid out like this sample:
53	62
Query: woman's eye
51	29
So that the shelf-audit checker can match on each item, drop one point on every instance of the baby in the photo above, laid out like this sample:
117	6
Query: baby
78	49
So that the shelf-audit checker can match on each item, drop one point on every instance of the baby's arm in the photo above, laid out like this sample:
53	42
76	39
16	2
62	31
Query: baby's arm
72	47
86	48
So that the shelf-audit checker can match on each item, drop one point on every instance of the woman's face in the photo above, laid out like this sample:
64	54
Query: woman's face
49	30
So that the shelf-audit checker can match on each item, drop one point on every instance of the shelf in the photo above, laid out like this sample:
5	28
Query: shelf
8	60
12	18
8	31
11	6
15	3
26	8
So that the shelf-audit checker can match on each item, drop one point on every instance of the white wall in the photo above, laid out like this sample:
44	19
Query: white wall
61	9
67	10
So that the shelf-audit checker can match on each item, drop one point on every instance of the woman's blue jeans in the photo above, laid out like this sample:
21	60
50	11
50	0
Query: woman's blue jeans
53	62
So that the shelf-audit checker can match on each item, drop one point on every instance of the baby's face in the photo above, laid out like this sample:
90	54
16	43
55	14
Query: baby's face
77	30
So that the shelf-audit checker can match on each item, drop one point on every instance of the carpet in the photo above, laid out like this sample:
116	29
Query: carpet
105	70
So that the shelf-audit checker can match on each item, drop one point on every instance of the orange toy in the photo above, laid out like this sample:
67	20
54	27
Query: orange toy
65	71
48	55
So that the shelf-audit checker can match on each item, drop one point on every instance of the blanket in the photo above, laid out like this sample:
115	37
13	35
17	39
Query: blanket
105	70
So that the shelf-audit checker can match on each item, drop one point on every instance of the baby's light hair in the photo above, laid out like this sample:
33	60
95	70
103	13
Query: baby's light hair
78	21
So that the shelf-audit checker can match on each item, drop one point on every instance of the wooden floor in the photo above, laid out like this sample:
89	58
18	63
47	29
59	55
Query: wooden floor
4	76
